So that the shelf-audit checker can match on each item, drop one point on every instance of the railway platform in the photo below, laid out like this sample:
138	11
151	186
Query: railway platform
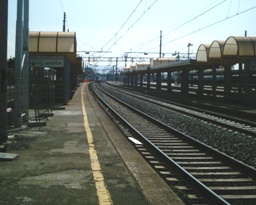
79	157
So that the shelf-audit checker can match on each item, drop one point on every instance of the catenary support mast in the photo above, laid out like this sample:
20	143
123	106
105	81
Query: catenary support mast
3	68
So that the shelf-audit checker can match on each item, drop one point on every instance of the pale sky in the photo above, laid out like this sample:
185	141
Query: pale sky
97	21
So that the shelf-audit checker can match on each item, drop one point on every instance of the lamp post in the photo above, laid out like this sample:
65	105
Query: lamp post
189	44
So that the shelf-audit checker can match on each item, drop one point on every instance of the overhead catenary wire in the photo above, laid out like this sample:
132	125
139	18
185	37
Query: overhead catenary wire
63	9
209	25
87	44
145	11
61	4
115	35
196	17
183	24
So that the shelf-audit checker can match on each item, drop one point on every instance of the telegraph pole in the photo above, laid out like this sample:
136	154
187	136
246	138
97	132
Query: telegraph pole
18	62
64	22
3	68
160	52
25	70
189	44
116	68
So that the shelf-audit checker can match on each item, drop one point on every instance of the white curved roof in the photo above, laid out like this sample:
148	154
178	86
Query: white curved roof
234	47
202	53
216	50
62	43
239	46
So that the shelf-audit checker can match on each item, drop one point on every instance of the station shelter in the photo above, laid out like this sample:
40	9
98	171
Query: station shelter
54	67
223	70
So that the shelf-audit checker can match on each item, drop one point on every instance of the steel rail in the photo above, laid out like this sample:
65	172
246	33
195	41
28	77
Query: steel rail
208	194
202	117
251	171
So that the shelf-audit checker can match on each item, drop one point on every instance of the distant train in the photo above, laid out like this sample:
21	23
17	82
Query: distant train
98	78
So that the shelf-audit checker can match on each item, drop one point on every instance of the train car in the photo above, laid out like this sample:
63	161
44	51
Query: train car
98	78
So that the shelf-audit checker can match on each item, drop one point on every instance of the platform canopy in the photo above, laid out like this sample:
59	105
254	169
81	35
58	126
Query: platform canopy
240	46
216	50
202	53
53	44
235	47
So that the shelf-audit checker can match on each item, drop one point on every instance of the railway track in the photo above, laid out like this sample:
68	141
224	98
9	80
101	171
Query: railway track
201	174
240	125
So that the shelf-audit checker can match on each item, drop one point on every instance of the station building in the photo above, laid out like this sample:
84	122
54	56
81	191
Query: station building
54	66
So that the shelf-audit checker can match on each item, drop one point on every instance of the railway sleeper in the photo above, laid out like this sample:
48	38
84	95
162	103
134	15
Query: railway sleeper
174	150
226	180
245	194
175	147
191	158
212	163
195	154
215	174
207	168
164	137
233	188
171	144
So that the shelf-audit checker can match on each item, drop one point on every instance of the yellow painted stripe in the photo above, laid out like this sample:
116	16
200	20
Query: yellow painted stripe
102	191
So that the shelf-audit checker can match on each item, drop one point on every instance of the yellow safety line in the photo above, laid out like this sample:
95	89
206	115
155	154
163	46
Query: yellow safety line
102	191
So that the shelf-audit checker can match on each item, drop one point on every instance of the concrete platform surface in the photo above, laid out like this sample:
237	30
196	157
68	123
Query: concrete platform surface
71	162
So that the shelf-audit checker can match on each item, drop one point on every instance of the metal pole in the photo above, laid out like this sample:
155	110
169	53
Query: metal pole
26	61
113	73
64	22
116	68
125	59
188	50
3	66
18	62
160	52
189	44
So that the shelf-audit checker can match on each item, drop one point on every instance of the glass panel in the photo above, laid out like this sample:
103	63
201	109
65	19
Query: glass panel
33	41
230	47
254	44
47	43
215	50
66	42
66	45
201	55
214	53
245	48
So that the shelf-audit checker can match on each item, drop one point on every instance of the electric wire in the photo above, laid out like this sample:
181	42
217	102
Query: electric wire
115	35
145	11
185	23
63	9
213	7
238	6
209	25
87	44
229	8
62	6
